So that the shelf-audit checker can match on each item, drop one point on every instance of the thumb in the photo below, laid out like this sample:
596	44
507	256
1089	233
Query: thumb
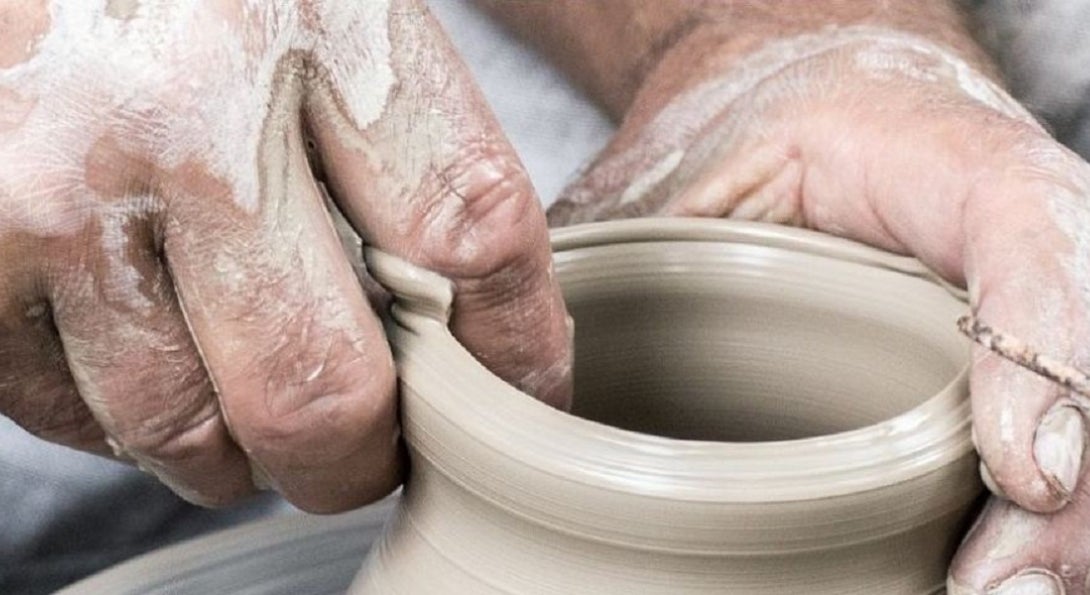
1030	307
434	181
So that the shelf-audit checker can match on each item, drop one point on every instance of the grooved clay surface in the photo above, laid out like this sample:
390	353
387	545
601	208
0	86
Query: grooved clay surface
801	426
800	416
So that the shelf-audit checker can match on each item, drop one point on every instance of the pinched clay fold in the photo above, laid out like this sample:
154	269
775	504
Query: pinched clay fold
825	382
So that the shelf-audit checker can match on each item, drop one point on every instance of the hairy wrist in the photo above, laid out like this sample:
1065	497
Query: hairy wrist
704	75
617	48
782	102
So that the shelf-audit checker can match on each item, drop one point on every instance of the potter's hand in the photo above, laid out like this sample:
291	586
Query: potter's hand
171	283
886	130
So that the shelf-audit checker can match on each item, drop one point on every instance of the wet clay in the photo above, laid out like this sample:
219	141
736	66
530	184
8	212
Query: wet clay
758	410
801	416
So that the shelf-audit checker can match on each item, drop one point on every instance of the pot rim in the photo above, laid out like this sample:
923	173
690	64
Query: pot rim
442	377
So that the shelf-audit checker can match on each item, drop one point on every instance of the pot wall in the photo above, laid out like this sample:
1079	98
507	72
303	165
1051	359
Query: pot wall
445	540
508	496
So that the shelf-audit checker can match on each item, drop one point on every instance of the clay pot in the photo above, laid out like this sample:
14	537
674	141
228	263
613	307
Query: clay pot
758	410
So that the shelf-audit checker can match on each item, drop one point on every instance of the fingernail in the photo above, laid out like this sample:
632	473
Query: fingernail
1029	582
990	483
1058	448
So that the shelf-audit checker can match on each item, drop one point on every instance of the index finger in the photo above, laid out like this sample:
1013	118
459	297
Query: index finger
430	177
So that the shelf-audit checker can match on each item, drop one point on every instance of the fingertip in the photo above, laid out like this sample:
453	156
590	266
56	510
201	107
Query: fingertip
213	500
520	332
1025	485
1058	448
337	448
224	486
1009	406
332	499
989	481
995	549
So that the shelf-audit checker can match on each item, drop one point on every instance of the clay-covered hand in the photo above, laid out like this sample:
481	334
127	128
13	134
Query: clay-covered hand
172	285
894	140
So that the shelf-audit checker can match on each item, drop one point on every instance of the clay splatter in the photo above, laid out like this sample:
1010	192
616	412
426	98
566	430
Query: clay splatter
1018	352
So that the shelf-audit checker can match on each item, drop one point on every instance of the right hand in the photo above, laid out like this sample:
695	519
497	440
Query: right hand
171	284
888	139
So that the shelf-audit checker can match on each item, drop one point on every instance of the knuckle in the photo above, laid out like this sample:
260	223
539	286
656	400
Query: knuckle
181	422
317	409
170	444
327	429
482	214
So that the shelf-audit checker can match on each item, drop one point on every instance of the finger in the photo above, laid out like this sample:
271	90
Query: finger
135	364
1002	235
1011	550
1000	212
36	387
352	245
1029	430
434	181
725	167
302	367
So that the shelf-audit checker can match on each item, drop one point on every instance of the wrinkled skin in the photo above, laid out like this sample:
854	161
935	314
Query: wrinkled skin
172	285
881	143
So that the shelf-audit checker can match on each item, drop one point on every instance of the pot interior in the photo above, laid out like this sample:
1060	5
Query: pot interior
721	346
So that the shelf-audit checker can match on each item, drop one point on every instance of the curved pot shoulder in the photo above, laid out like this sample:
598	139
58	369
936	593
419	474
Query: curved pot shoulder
823	383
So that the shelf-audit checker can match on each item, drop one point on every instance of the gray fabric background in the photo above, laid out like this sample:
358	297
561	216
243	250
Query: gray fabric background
64	514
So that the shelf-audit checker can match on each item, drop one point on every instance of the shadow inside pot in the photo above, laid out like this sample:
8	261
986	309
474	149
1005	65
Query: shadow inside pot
700	356
757	410
742	342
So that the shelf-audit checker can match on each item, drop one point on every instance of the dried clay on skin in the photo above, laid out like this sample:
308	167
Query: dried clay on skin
104	76
879	53
140	117
94	75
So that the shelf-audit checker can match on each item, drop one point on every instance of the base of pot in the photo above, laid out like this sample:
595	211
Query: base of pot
292	555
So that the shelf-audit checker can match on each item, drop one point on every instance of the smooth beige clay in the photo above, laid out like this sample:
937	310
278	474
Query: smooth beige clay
796	422
758	410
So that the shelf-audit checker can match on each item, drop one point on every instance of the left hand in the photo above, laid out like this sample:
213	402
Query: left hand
173	286
889	140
